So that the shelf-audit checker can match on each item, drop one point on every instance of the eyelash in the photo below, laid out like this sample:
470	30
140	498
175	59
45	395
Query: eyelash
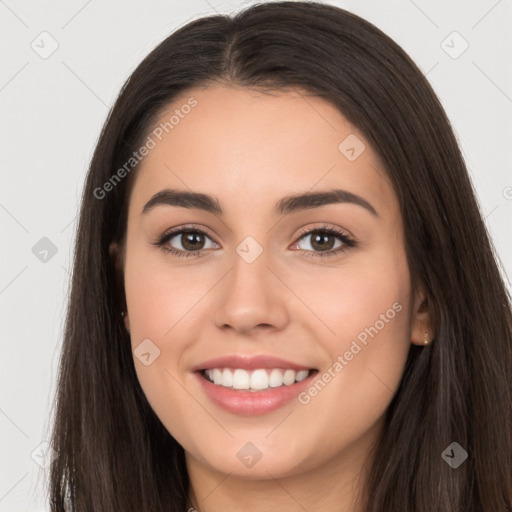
347	241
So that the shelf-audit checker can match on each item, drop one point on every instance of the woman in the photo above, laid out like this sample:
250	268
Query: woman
284	295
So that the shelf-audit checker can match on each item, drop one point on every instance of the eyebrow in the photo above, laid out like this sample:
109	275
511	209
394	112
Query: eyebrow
286	205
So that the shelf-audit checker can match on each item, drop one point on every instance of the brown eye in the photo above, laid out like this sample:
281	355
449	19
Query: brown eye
189	240
322	242
186	242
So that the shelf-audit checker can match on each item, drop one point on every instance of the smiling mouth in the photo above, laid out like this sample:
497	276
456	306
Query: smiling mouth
261	379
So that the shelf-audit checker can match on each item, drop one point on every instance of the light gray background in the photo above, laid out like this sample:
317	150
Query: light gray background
52	112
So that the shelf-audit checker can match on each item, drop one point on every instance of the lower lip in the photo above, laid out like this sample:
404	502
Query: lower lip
252	403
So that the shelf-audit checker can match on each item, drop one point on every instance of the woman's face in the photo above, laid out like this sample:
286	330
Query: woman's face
255	281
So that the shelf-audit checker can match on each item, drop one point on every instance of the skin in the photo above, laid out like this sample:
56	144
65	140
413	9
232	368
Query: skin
250	149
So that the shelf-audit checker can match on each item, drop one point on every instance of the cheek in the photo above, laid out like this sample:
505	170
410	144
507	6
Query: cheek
364	298
368	313
161	298
367	352
161	303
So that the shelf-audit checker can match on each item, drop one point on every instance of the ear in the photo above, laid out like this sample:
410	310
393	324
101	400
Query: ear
422	330
117	256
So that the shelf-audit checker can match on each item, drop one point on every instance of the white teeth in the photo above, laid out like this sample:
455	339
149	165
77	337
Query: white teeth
227	378
217	376
240	379
301	375
289	377
276	378
259	379
255	380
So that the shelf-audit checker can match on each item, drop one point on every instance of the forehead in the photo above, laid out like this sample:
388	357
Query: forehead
251	148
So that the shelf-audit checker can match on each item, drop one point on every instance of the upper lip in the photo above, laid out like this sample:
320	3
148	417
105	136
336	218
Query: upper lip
249	362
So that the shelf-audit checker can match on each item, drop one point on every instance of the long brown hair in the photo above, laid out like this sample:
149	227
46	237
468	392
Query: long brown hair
114	454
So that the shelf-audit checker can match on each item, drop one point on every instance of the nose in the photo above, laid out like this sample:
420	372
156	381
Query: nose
251	298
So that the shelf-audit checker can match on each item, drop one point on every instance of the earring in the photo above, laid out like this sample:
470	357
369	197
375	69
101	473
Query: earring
427	340
123	313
